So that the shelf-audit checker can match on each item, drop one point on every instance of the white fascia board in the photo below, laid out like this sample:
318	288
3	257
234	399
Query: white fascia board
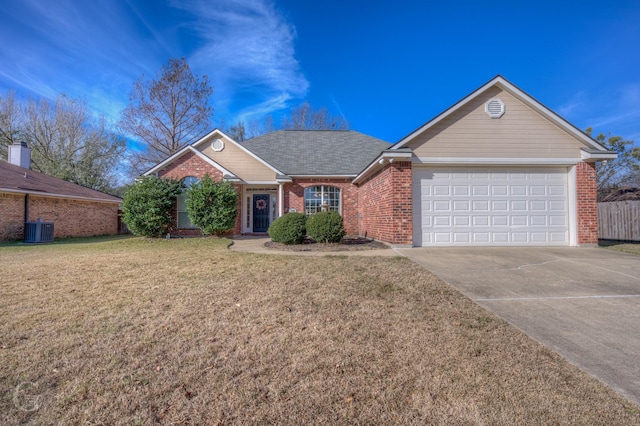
496	161
260	182
596	156
528	99
211	162
323	176
52	195
380	160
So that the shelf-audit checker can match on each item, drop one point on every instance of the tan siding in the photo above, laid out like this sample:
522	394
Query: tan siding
520	133
239	162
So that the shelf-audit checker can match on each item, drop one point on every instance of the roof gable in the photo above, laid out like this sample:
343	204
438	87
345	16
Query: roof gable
521	111
234	161
19	180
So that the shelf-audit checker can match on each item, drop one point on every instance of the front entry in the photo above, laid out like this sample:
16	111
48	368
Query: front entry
260	212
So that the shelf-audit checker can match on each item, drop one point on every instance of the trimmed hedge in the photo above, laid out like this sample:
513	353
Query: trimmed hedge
326	227
288	229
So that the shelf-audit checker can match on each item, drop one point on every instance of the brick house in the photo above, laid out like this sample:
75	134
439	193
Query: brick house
496	168
27	195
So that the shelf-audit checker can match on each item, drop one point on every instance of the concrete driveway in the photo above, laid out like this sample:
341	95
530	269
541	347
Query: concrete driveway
584	303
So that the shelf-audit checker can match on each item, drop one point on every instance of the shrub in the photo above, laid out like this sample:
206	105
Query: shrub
288	229
147	205
326	227
212	205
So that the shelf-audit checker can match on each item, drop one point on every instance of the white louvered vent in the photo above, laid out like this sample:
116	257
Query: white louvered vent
217	145
495	108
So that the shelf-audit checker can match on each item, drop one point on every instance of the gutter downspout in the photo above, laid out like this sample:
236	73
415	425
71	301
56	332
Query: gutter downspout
26	207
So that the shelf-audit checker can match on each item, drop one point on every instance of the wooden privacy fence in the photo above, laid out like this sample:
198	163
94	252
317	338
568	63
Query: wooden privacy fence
619	220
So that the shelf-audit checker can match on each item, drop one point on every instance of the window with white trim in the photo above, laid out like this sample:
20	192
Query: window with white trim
183	217
321	198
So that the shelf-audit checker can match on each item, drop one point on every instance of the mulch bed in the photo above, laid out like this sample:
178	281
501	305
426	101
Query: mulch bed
349	243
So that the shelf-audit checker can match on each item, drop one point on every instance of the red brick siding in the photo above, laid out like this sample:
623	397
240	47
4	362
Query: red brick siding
385	204
75	218
587	203
294	199
11	216
71	218
190	165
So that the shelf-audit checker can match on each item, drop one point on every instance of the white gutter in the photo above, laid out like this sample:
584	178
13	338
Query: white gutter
51	195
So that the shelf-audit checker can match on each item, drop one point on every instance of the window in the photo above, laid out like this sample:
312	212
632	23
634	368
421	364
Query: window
183	218
321	198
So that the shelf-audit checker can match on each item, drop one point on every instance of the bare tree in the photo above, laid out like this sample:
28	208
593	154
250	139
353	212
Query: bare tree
613	173
167	113
66	140
11	118
305	117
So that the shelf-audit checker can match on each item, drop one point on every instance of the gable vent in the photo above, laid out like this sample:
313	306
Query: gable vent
495	108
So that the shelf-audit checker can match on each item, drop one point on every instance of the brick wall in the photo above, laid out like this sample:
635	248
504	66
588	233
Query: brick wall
71	218
190	165
11	216
587	203
385	204
75	218
294	199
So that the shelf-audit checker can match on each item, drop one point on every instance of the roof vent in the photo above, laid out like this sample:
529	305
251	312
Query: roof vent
217	145
495	108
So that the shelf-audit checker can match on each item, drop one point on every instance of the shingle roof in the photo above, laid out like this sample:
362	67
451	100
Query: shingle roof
20	180
317	152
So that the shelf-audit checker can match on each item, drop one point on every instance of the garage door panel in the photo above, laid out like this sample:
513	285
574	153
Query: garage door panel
480	190
498	206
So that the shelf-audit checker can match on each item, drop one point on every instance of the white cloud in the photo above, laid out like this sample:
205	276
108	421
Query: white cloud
247	50
95	50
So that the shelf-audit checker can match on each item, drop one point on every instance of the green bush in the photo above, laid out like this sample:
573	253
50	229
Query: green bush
326	227
147	205
288	229
212	205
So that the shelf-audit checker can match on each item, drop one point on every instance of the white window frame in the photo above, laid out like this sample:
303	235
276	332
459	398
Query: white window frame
325	193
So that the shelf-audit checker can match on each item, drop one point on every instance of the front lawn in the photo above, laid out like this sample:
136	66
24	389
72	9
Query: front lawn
138	331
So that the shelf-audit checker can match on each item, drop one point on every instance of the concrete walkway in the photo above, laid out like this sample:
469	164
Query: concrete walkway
584	303
251	244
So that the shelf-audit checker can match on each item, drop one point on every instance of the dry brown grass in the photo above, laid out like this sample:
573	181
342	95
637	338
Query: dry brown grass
631	248
186	332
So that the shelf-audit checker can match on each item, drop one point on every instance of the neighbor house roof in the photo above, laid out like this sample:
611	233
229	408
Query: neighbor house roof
623	194
19	180
317	152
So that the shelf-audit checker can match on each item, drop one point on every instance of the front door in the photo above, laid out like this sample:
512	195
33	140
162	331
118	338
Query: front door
260	212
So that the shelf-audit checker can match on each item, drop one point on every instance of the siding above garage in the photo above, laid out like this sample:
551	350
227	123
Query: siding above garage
520	133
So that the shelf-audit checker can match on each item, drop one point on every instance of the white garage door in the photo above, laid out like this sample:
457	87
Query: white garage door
490	206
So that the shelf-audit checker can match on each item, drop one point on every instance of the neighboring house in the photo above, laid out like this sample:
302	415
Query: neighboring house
497	168
26	195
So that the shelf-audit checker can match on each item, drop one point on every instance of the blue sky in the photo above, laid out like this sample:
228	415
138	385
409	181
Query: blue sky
388	67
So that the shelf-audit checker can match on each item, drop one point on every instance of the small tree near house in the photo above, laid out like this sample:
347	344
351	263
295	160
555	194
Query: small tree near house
148	205
212	205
